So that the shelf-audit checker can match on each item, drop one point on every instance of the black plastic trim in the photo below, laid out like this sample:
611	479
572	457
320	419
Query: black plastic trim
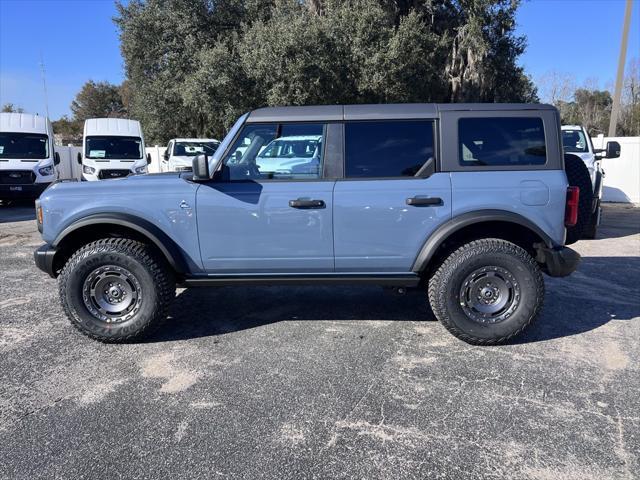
43	256
558	262
444	231
165	244
399	280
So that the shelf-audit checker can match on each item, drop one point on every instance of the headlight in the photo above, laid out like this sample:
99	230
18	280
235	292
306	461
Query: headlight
140	170
88	170
46	171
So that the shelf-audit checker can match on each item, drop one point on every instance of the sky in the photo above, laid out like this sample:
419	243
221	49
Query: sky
78	41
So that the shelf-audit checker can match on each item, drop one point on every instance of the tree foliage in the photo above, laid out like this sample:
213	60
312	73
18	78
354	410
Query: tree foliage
96	100
193	66
11	108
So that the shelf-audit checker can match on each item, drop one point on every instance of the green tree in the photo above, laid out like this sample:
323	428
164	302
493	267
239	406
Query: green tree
11	108
193	65
97	99
67	131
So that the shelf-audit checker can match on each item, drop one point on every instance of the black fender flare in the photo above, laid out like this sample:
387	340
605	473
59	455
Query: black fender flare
171	251
448	228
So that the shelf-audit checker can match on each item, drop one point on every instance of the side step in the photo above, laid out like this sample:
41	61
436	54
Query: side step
393	280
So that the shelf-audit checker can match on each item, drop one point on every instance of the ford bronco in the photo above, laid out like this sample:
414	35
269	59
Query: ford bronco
469	202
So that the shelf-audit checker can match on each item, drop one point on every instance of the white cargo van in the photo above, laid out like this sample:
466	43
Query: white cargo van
112	148
27	156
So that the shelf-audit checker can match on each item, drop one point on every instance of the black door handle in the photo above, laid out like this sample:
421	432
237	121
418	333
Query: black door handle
424	201
306	204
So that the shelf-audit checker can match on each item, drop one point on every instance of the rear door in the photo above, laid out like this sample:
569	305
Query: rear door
391	197
269	213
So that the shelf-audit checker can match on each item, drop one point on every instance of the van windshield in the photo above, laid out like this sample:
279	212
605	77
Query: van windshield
113	147
24	145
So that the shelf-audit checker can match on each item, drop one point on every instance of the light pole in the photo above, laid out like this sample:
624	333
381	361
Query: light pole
615	109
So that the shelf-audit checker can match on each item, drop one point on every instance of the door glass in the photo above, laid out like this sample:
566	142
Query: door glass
387	149
276	152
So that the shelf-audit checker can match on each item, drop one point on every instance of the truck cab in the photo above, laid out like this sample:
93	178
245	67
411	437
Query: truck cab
112	148
180	152
27	155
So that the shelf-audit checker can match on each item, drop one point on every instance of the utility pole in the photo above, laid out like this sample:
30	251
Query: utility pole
615	109
44	85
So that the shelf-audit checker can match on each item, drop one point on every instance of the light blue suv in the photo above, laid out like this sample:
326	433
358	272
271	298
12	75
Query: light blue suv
468	202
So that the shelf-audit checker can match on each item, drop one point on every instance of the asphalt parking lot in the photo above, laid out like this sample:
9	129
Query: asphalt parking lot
324	382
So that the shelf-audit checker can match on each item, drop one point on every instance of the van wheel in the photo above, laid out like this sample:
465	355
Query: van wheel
487	291
578	176
116	290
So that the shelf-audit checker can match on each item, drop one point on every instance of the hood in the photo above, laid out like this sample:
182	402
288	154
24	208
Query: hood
182	161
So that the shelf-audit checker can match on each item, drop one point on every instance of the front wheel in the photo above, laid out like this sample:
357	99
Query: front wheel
116	290
487	291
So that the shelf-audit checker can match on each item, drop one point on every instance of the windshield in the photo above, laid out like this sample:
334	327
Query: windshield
574	141
291	147
108	147
191	149
24	145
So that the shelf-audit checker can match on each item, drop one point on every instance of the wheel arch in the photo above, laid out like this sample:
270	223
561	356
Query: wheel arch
97	226
478	224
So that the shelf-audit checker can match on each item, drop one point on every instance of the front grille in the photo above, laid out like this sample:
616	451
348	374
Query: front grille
106	174
17	177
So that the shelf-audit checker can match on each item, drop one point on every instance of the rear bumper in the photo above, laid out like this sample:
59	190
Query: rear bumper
43	257
559	261
27	190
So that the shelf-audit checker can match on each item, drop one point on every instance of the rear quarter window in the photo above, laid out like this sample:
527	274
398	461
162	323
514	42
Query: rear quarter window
501	141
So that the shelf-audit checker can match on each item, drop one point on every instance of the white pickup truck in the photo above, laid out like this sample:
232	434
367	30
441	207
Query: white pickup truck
584	169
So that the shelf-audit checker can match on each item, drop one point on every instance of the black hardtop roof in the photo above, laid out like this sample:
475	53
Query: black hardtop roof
395	111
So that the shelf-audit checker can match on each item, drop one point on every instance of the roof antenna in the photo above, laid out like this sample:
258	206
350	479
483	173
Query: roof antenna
44	85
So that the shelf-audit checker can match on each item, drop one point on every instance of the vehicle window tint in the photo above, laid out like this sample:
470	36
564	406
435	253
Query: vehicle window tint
574	141
276	152
105	147
387	149
501	141
23	145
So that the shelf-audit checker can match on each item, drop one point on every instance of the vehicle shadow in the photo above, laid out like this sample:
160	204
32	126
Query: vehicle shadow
573	305
17	211
619	220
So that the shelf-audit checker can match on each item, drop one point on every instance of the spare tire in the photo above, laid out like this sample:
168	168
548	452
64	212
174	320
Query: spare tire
578	176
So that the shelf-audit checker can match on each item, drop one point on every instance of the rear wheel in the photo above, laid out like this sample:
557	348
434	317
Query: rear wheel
116	290
578	176
487	291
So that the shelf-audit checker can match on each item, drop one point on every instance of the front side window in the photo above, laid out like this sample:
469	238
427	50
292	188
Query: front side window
113	147
276	152
387	149
501	141
191	149
574	141
24	145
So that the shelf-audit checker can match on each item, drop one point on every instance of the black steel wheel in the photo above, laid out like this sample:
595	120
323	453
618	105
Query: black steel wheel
116	289
487	291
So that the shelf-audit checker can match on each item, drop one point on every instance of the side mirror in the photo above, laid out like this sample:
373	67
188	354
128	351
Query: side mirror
148	159
166	155
612	150
56	158
79	158
200	167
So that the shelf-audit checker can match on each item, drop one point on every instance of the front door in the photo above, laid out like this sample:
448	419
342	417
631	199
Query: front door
391	199
269	210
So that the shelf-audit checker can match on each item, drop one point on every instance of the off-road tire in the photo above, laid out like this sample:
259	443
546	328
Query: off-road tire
149	272
447	283
578	176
